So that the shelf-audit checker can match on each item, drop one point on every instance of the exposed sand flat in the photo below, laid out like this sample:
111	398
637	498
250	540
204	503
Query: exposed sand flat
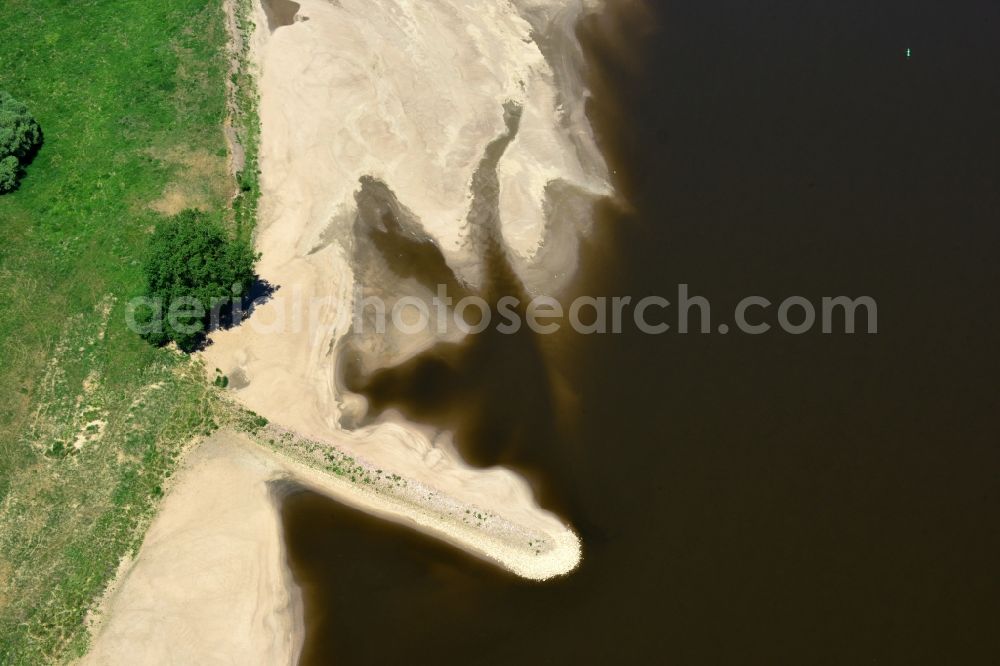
209	583
522	539
408	94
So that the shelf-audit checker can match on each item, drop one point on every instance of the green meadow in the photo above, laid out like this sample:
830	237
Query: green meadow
131	97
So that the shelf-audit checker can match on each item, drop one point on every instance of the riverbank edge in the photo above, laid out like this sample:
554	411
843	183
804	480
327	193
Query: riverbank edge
324	467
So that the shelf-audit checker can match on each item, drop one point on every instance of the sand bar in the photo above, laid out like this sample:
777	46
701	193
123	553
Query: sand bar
407	94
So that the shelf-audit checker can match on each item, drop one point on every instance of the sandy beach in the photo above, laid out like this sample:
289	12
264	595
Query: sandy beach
368	109
209	585
390	106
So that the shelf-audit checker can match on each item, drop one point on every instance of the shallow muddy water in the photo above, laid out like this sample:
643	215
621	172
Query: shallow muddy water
778	499
280	12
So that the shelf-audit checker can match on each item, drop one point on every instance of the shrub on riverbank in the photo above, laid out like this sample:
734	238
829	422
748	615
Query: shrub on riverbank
192	267
20	137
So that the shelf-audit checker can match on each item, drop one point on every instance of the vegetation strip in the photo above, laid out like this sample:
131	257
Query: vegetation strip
132	99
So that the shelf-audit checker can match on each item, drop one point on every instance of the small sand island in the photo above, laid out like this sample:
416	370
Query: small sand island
458	127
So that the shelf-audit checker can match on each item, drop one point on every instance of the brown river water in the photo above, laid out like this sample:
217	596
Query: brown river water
772	499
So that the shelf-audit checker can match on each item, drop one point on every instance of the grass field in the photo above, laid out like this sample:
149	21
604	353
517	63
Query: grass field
131	96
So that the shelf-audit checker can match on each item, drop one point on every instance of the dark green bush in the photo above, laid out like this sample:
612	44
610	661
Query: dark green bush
20	137
192	257
10	168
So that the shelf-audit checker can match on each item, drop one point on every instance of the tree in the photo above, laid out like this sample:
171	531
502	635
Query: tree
20	137
9	171
192	269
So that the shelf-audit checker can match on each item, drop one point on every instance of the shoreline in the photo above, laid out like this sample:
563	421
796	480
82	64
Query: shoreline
209	581
310	166
334	118
531	552
212	569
